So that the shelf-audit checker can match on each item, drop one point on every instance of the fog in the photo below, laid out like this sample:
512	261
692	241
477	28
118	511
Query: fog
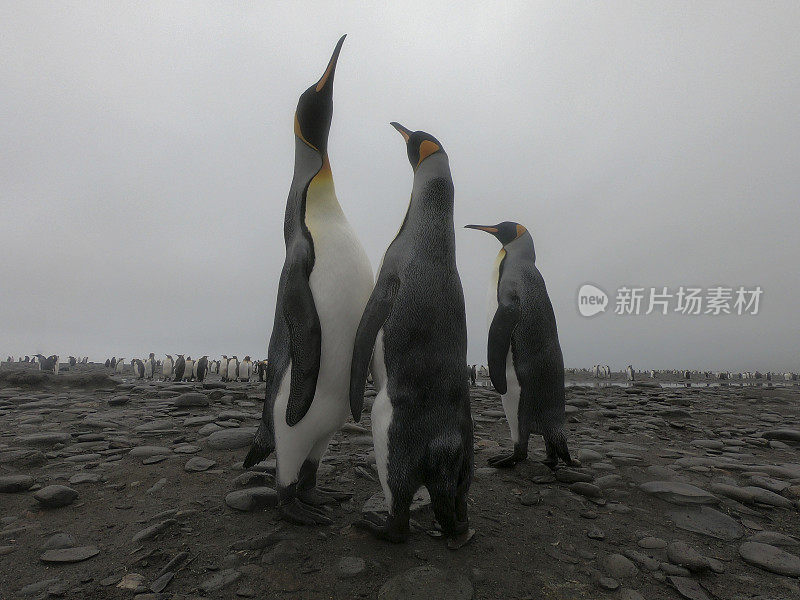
147	151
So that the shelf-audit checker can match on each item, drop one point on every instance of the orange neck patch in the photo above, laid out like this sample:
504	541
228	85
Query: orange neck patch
426	148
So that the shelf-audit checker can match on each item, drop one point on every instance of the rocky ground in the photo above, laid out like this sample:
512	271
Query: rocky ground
112	488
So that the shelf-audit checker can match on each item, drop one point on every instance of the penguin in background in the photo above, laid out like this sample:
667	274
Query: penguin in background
72	361
223	367
415	321
120	368
188	371
194	369
324	285
166	368
202	368
180	368
630	373
233	368
262	369
113	362
245	369
525	361
150	366
138	368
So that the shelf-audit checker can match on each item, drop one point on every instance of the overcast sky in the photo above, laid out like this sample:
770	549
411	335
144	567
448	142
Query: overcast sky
147	150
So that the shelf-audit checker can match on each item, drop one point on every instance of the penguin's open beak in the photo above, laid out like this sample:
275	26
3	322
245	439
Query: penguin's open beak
327	76
487	228
406	133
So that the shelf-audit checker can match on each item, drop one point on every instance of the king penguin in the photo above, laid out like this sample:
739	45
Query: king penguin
233	368
525	361
166	368
180	367
222	367
415	320
202	368
324	286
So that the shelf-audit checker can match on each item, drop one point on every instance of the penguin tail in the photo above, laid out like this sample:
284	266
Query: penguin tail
263	446
556	444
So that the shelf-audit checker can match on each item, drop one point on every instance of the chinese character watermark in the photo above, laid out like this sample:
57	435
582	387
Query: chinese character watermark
685	300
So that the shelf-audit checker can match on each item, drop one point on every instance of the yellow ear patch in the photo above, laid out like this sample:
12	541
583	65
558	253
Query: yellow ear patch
520	230
426	148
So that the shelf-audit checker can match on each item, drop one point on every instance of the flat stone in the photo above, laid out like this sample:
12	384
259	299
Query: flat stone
157	425
752	495
69	555
707	521
79	478
131	581
586	489
191	399
148	451
652	543
231	439
11	484
119	400
220	580
255	498
688	588
618	566
681	554
55	496
572	476
208	429
677	492
426	583
43	439
786	435
770	558
186	449
38	587
198	463
350	566
773	538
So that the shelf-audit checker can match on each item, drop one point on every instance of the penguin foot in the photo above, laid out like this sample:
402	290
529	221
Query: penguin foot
505	461
299	513
320	496
460	540
381	528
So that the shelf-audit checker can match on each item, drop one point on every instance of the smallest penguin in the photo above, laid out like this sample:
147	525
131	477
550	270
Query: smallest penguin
525	361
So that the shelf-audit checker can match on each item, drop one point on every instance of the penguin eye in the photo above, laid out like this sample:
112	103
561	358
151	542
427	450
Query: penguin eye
426	148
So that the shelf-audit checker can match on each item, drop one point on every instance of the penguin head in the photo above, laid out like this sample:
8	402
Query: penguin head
419	145
506	232
312	119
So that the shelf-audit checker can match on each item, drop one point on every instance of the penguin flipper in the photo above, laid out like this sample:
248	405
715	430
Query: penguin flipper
377	310
503	324
263	445
305	344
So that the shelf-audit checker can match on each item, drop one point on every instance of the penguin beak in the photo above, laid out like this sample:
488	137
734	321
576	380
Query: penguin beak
327	76
406	133
486	228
